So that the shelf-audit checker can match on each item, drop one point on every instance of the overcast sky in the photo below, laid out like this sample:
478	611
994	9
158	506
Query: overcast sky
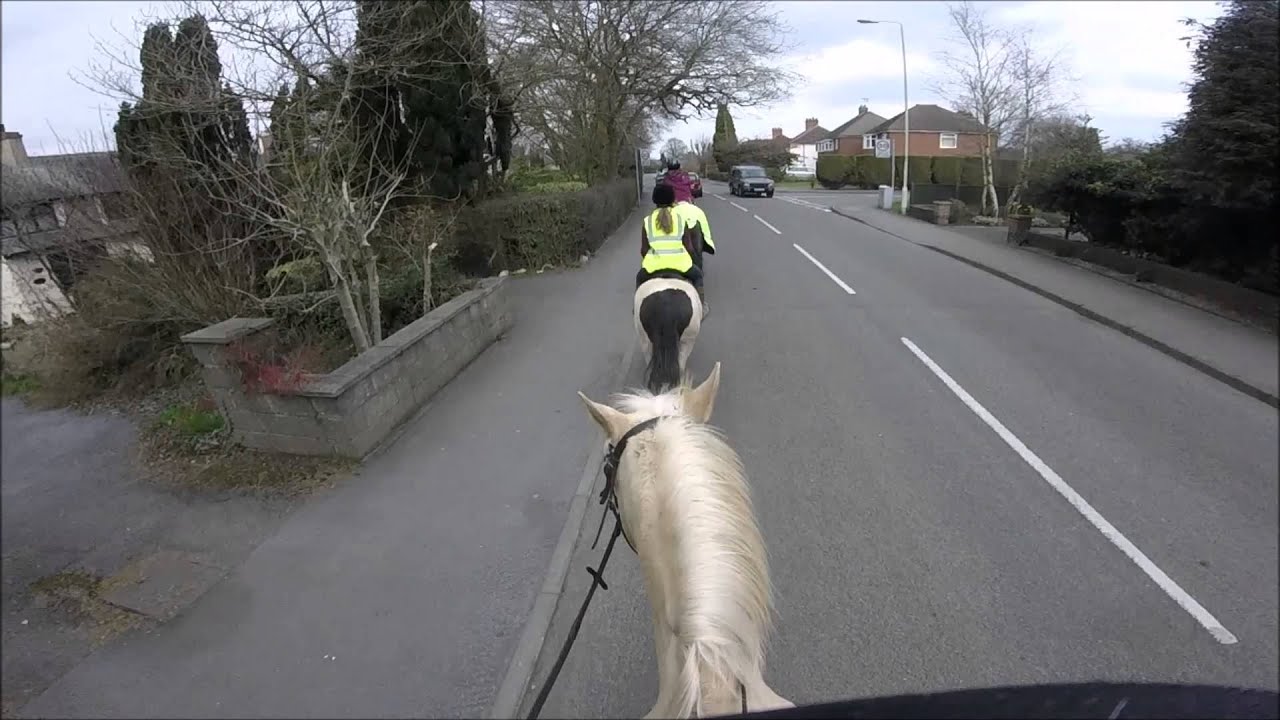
1132	68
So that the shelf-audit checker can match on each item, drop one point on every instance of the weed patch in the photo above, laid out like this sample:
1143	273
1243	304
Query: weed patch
20	384
79	595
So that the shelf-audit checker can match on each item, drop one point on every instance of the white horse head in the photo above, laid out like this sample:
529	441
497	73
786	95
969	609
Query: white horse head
685	506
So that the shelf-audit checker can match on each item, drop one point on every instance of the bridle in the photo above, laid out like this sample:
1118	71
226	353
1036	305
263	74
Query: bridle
608	498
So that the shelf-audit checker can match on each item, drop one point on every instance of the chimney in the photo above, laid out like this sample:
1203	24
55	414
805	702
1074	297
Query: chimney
777	133
13	153
810	123
862	110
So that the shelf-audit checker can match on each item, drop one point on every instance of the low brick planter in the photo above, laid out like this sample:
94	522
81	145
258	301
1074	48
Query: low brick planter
349	411
937	213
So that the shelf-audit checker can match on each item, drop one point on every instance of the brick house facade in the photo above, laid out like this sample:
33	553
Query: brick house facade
935	132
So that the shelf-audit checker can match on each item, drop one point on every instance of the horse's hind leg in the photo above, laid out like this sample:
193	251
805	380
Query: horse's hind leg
686	346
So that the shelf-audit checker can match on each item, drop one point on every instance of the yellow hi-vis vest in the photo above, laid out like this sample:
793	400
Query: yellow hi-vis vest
695	216
666	249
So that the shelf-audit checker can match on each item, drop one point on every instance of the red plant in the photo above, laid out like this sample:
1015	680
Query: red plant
266	371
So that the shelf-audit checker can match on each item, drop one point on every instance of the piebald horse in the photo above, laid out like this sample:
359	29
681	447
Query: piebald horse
668	316
686	509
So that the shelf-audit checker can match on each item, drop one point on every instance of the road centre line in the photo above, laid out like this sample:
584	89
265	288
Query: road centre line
824	269
805	203
1109	531
775	230
738	206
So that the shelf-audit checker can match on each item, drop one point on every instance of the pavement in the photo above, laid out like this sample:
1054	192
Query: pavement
404	591
74	502
913	547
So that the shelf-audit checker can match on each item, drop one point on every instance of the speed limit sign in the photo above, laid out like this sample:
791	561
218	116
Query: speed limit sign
884	148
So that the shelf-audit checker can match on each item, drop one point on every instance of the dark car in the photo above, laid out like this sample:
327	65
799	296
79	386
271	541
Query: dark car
749	180
695	183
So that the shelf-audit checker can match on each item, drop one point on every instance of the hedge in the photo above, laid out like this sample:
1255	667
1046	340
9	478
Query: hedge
921	170
531	230
836	171
559	186
946	171
1135	205
867	171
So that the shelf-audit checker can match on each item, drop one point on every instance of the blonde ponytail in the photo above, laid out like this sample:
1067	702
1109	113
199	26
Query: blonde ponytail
664	220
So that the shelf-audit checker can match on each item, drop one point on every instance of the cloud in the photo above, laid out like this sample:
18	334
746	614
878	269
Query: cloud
1128	56
1130	63
43	44
837	78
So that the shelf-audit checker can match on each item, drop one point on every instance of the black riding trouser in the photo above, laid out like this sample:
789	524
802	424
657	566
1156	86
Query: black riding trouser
693	275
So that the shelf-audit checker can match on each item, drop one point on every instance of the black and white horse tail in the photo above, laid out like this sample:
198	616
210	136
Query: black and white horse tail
665	315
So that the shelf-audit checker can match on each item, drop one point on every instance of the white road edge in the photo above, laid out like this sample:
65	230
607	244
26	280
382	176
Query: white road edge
1109	531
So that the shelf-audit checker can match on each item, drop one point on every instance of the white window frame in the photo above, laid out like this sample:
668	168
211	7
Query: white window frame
826	145
868	142
944	137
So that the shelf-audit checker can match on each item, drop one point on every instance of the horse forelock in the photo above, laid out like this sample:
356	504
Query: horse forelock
645	405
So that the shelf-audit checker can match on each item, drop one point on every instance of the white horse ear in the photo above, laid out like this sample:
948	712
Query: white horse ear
613	422
701	400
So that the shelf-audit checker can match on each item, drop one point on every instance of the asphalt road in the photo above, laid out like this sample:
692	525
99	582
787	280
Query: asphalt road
914	548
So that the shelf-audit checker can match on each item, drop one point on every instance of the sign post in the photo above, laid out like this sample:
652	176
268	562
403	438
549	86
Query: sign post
884	150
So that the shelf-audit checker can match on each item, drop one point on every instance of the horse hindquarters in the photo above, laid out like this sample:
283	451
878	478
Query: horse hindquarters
664	316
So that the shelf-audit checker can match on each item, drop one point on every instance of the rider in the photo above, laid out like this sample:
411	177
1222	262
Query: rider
696	217
679	181
667	241
683	186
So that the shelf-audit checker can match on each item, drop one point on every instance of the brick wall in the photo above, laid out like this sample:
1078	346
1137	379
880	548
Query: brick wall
349	411
923	144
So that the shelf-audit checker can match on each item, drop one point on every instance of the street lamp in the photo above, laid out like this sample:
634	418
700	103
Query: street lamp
906	110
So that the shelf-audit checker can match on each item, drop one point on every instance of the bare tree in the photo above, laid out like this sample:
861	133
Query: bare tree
589	75
674	148
1041	81
979	76
701	148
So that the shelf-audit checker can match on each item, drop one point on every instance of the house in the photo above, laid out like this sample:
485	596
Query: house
852	134
935	132
56	212
805	148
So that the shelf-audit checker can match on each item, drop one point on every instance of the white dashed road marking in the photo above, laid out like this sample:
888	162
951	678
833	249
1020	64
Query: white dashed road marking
775	230
824	269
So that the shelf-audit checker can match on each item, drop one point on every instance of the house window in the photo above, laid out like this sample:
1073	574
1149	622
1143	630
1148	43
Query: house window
868	142
947	141
826	145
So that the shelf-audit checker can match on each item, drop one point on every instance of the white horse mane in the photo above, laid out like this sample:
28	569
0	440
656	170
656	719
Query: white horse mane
686	489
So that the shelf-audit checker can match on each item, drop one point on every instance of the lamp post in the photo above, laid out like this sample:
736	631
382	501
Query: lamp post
906	110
